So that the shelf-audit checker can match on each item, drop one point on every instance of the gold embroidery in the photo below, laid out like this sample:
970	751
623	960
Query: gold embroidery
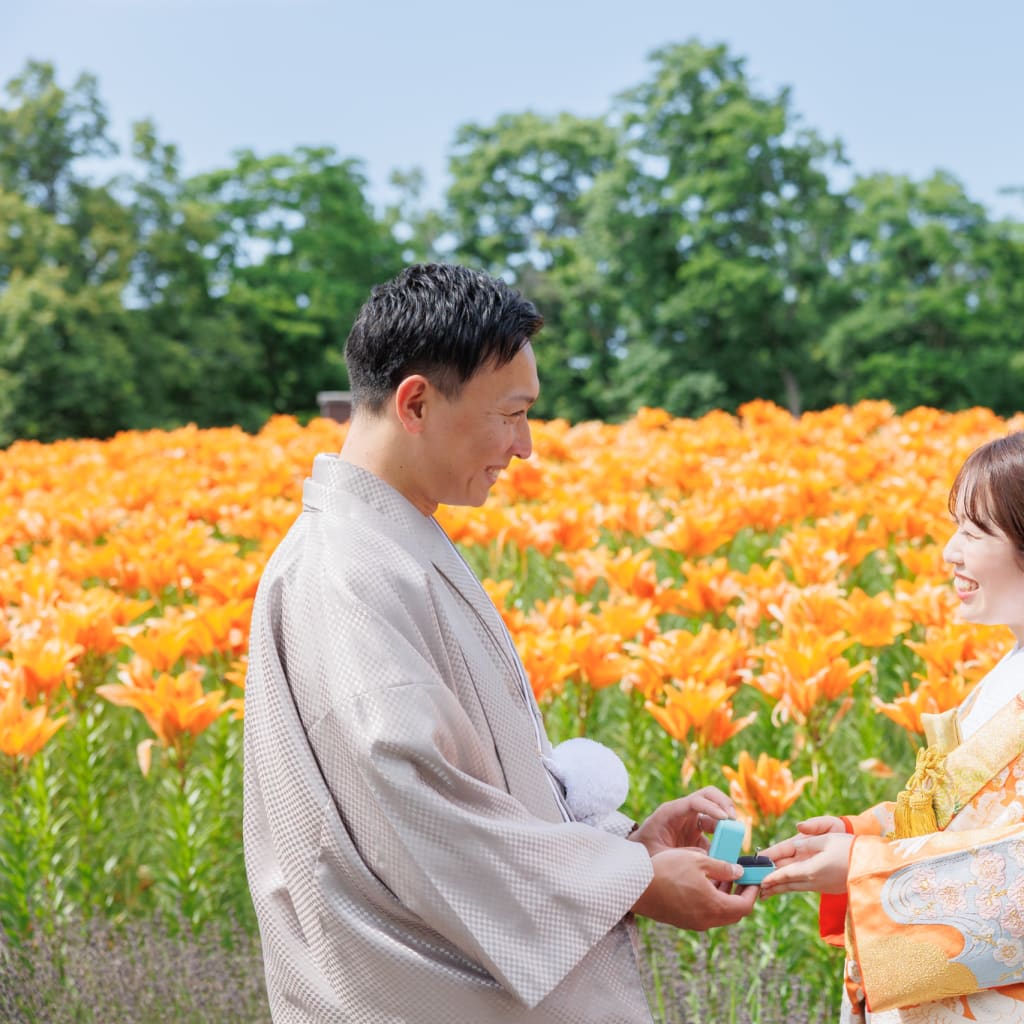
980	758
900	972
952	771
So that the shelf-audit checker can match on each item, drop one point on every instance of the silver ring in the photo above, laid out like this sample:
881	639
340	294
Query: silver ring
700	822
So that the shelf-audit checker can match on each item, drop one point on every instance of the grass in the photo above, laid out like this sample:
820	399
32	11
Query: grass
161	972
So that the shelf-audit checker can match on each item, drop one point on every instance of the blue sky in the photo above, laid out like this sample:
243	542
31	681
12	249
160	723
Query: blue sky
908	86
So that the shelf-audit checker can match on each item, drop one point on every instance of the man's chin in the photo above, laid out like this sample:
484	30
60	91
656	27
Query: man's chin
467	500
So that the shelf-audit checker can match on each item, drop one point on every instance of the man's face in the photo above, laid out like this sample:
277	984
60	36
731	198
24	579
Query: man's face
472	438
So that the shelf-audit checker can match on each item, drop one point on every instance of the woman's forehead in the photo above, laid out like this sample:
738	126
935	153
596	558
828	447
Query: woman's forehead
973	498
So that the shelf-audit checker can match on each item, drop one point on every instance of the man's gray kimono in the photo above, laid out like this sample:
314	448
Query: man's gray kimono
407	853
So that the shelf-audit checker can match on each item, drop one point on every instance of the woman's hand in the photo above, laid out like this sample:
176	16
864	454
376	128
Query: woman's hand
821	825
818	862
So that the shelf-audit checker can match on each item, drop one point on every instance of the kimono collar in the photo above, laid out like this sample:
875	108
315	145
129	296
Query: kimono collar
342	489
950	771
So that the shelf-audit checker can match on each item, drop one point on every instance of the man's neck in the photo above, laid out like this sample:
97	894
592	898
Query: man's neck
372	444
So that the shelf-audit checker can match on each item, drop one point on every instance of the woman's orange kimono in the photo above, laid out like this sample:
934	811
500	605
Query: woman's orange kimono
934	924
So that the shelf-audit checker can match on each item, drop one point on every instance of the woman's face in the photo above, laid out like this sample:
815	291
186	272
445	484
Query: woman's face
988	579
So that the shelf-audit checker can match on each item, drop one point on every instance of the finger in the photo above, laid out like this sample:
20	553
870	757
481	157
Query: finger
727	908
707	822
818	826
783	887
792	878
781	851
796	848
715	802
721	870
741	902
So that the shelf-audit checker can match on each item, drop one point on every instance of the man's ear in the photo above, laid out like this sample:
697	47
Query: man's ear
411	398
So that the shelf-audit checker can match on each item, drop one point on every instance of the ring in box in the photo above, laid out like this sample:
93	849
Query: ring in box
726	844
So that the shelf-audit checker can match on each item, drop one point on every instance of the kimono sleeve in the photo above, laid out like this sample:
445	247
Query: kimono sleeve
937	916
833	906
422	796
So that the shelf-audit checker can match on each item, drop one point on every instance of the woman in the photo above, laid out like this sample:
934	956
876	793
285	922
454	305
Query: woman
927	893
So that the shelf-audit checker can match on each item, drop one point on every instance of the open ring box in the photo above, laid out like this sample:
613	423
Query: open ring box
726	844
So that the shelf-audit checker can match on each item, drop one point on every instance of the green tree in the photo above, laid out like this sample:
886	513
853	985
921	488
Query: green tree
66	362
298	248
423	232
716	233
44	130
194	363
519	203
935	299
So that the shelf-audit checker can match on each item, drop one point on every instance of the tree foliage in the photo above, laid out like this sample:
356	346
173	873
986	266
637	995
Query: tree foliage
689	249
154	300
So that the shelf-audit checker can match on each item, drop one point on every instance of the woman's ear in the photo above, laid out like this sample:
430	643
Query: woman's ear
411	398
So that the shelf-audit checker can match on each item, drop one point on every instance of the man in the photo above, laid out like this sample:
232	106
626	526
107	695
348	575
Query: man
410	854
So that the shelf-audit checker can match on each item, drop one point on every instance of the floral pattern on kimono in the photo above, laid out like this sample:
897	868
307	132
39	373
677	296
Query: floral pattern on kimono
934	924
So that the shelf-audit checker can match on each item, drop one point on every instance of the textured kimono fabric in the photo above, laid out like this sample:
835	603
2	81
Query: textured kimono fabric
934	924
408	853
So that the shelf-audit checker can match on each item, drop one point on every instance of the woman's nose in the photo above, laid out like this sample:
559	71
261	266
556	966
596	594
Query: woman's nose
950	552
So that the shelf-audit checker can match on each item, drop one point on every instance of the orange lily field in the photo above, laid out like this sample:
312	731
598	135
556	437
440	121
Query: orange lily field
753	601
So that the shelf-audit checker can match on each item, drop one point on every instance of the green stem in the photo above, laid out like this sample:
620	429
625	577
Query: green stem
43	836
584	702
87	753
16	854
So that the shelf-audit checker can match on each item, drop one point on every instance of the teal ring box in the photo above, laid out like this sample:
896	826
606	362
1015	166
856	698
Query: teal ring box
726	844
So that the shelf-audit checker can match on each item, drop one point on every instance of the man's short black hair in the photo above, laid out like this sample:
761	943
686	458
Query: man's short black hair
440	320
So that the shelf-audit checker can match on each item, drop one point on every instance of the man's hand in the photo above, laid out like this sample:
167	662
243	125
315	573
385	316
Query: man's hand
809	863
685	891
685	821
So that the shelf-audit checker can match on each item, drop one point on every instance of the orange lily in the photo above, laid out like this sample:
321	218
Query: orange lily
498	592
873	621
220	627
708	587
932	696
548	661
162	641
23	730
175	706
952	649
598	657
694	530
45	662
94	617
708	655
803	670
702	709
763	789
929	604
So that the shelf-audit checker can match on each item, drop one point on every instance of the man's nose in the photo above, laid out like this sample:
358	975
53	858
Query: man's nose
523	446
